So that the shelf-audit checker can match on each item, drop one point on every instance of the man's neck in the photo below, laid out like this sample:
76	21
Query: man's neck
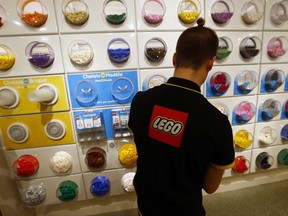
189	74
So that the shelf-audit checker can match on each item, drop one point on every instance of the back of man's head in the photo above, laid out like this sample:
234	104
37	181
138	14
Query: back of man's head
195	46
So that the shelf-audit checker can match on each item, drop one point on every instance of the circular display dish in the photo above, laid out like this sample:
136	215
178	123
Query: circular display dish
3	16
55	129
118	50
86	93
67	190
273	80
279	12
153	11
247	80
222	108
7	58
282	157
270	109
152	81
127	154
9	97
241	165
225	48
40	54
26	166
277	47
18	132
122	90
45	94
189	11
80	53
220	82
285	110
100	186
34	195
245	111
264	161
155	49
95	157
127	182
243	139
252	11
284	132
76	12
250	47
61	162
33	13
222	11
267	135
115	11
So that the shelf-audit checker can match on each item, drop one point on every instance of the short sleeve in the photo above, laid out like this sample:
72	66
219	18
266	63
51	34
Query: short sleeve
223	157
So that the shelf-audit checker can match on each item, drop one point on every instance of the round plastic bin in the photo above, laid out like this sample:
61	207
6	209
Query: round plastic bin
222	108
284	132
61	162
279	12
95	157
3	16
153	11
282	157
127	154
267	135
277	47
40	54
9	97
152	81
127	182
45	94
122	90
222	11
7	58
220	82
34	13
273	80
250	47
118	50
86	93
270	109
247	80
115	11
100	186
225	48
243	139
252	11
241	165
26	166
264	161
34	195
18	132
155	49
76	12
67	190
55	129
189	11
80	53
245	111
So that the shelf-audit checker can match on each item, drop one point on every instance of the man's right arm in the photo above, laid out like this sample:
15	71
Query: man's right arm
213	176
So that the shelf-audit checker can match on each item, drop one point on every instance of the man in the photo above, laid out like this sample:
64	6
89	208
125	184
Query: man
184	143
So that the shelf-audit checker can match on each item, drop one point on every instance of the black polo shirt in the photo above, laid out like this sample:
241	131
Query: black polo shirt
177	133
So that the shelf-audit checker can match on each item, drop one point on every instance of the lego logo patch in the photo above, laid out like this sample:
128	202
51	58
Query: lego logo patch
167	125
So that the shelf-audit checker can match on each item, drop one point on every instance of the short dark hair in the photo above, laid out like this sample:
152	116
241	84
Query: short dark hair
195	46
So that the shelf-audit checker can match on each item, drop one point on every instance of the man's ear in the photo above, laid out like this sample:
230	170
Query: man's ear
210	63
174	59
